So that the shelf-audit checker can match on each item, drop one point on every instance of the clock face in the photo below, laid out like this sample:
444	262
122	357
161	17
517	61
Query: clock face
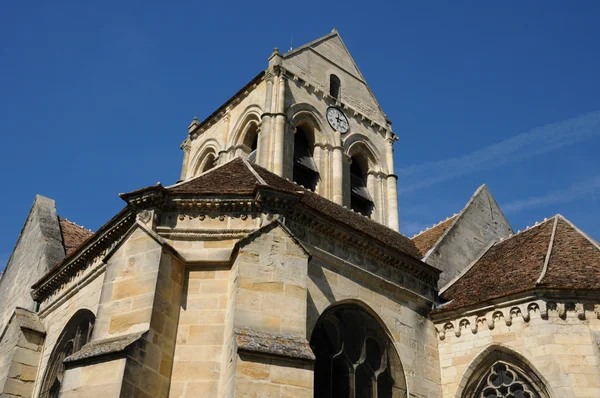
337	119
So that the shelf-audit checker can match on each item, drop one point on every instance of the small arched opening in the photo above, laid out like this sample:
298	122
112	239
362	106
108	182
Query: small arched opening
360	199
354	356
334	86
208	162
75	335
250	143
305	170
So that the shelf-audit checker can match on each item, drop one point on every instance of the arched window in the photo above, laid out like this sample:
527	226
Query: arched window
504	380
360	200
354	356
251	142
208	162
500	372
75	335
306	172
334	86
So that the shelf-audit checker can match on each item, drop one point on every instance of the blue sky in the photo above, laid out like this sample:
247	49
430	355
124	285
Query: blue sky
96	97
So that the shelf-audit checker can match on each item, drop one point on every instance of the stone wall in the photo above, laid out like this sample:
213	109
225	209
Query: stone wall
404	317
199	350
20	348
38	249
55	315
479	224
557	340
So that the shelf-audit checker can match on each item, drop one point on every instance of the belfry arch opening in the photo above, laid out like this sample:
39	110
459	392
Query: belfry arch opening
208	162
250	142
360	199
305	170
354	356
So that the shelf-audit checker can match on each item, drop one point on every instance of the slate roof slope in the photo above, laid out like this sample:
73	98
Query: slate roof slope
240	177
553	254
426	240
73	235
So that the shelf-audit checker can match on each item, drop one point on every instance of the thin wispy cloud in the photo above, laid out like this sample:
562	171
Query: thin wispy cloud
574	192
538	141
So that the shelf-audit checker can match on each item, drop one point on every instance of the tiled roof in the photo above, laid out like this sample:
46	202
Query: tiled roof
242	178
427	239
73	235
553	254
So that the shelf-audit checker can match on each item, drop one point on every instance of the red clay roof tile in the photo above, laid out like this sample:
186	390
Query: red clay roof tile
73	235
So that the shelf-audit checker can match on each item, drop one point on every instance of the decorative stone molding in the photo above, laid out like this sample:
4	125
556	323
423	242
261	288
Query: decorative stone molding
401	270
279	345
104	347
96	248
319	90
525	311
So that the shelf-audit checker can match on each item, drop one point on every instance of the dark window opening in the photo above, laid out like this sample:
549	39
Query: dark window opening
74	336
306	172
209	163
352	356
334	86
360	199
253	147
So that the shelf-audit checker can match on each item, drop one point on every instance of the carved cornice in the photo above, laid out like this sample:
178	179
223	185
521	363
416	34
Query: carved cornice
524	309
97	247
361	247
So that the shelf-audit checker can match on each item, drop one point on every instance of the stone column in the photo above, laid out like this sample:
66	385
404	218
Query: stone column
264	133
338	170
279	133
186	160
392	192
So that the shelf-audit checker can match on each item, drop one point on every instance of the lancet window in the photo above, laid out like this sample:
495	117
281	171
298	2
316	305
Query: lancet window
334	86
75	335
354	357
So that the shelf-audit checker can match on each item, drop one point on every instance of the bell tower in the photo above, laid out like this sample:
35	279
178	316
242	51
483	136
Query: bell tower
309	117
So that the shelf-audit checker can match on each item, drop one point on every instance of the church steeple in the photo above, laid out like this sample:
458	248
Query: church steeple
309	117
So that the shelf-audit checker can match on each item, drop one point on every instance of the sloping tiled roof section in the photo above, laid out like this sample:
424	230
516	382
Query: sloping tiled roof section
233	177
574	261
242	178
426	240
516	264
73	235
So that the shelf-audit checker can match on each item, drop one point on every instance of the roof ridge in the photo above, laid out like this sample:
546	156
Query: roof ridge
75	224
254	172
435	225
549	252
589	238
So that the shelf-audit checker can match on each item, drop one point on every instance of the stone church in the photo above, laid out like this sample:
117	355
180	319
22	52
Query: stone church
275	268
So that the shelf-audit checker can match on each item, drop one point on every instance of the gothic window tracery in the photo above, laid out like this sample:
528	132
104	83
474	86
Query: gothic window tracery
75	335
504	381
354	357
